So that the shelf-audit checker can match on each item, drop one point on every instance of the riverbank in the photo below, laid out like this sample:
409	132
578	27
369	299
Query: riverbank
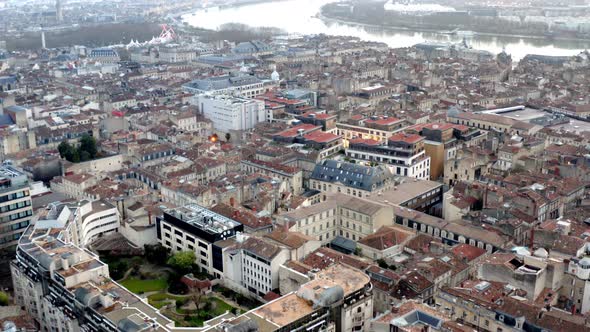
302	17
179	15
326	18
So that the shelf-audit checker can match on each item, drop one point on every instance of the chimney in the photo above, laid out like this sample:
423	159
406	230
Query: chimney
532	238
65	264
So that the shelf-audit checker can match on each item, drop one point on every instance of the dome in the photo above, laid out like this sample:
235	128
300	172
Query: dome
452	111
275	76
542	253
330	296
585	263
522	251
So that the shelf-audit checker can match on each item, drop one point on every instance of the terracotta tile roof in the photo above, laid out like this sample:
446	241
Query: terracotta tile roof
406	138
325	257
383	121
386	237
321	137
299	267
364	141
242	216
467	252
294	131
291	239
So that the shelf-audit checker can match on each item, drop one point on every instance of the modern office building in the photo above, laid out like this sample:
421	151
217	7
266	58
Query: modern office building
16	210
194	228
230	113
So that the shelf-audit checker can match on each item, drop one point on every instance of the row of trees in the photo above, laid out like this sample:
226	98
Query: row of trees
87	150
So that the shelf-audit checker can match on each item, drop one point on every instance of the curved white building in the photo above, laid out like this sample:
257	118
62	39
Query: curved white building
84	221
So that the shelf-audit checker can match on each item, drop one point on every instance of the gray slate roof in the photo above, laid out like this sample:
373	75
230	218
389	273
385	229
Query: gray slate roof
352	175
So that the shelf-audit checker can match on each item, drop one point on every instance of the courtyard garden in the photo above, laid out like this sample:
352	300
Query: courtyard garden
158	276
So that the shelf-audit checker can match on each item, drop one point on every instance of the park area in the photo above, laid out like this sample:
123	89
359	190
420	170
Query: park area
174	285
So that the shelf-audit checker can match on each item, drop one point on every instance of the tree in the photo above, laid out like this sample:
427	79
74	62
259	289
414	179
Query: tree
75	156
88	144
136	262
85	156
227	137
182	261
63	148
66	150
156	254
118	269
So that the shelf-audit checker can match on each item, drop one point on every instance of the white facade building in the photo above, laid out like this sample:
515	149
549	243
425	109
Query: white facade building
404	154
243	85
231	113
253	265
83	222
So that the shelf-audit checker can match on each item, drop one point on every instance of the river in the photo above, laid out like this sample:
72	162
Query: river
299	17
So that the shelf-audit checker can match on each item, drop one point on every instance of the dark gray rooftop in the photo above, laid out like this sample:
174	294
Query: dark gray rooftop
222	82
352	175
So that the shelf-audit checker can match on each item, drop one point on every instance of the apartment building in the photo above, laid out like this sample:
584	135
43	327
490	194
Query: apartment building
16	210
404	154
66	288
83	221
74	185
338	298
338	216
194	228
332	176
292	175
451	233
252	265
375	128
576	281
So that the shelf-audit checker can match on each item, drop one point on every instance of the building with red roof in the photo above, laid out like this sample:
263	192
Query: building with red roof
312	137
327	121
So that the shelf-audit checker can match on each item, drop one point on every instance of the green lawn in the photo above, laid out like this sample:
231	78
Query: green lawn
158	304
159	300
221	307
164	296
139	286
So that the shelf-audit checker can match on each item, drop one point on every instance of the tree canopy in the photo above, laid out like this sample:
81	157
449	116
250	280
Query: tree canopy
86	151
156	254
182	261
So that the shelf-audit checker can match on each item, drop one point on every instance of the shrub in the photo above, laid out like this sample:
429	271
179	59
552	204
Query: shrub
179	303
4	299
